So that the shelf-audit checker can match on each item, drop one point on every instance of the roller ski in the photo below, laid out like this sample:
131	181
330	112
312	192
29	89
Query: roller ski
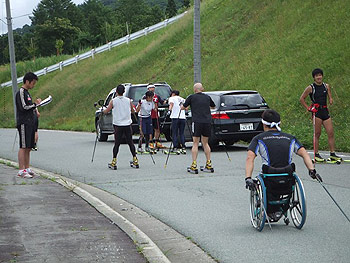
332	160
134	163
160	146
208	168
193	168
172	152
113	164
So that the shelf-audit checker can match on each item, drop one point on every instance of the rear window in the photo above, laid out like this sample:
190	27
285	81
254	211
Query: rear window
242	101
136	93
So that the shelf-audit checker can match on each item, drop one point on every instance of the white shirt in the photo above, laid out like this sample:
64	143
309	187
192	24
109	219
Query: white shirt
146	108
121	111
176	100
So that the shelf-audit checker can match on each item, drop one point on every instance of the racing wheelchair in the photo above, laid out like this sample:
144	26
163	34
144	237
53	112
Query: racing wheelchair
277	191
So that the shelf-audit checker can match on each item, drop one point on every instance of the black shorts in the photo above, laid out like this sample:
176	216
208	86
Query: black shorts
322	114
155	123
26	135
201	129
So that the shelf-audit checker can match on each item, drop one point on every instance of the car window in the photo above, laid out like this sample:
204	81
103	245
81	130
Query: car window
242	101
110	96
216	99
136	93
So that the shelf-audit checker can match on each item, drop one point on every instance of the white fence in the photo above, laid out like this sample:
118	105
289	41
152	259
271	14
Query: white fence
106	47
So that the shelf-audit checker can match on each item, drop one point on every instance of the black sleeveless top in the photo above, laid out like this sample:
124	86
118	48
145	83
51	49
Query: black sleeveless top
319	94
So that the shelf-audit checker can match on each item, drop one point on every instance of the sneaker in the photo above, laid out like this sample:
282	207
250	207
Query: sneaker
135	161
30	171
208	165
113	165
140	150
151	145
183	150
318	158
194	166
334	157
147	150
175	151
35	149
24	174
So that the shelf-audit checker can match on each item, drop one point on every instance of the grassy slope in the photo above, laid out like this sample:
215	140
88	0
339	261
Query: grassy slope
269	46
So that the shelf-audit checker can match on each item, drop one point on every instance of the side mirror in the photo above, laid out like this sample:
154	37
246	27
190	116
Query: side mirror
100	102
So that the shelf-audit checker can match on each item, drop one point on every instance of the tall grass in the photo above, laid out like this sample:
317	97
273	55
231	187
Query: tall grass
268	46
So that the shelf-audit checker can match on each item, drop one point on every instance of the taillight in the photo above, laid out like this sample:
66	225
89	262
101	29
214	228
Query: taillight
220	115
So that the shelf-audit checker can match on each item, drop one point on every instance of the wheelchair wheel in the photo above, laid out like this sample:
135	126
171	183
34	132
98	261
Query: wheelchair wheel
257	200
298	204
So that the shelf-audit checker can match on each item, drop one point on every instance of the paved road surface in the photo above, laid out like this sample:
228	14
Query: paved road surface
211	209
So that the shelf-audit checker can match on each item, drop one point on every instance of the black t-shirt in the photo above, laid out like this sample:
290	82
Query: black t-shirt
275	148
25	107
200	107
319	94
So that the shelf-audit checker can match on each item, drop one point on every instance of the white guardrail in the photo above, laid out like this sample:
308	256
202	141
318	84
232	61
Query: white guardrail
106	47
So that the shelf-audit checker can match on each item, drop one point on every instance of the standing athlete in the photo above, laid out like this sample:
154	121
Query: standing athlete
178	122
319	92
26	109
121	110
155	118
200	104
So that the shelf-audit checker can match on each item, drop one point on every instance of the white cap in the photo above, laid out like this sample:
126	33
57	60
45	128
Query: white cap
151	86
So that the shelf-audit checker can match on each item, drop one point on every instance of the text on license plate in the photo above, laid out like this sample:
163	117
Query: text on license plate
246	126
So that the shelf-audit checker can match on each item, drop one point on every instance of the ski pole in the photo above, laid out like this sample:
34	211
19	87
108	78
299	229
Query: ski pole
171	143
93	152
314	139
228	156
13	146
332	198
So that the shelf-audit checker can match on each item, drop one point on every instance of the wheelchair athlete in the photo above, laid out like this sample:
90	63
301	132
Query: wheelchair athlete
276	149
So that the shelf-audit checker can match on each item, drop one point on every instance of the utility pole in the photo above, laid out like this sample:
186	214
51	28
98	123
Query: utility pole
197	42
12	55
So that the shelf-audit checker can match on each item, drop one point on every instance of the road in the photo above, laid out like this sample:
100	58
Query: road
211	209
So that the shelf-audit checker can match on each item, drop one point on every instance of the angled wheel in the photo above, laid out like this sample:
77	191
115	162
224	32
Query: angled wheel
102	137
257	201
298	204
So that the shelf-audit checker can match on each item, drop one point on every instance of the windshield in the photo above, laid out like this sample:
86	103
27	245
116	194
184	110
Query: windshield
242	101
136	93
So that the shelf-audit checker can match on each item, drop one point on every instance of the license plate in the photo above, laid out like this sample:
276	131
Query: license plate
246	126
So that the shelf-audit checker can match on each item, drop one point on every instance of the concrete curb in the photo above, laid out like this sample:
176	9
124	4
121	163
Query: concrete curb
148	248
150	235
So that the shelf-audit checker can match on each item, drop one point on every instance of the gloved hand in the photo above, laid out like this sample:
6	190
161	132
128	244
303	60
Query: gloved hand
140	102
249	183
314	175
168	113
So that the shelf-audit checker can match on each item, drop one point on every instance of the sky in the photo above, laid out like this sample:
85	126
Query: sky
19	11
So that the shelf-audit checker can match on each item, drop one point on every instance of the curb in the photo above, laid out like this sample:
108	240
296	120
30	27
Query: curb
149	249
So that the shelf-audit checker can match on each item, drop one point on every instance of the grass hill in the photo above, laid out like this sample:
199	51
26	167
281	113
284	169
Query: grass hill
268	46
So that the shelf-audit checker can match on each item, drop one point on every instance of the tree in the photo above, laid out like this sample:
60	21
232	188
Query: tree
171	9
32	49
186	3
59	46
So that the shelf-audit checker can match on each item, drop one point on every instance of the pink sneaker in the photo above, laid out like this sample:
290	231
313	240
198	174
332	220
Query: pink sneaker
24	174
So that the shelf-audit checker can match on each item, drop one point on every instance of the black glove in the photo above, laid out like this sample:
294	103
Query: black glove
168	113
249	183
140	102
314	175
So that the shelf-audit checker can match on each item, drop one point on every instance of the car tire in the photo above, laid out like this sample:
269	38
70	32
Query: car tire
213	142
102	137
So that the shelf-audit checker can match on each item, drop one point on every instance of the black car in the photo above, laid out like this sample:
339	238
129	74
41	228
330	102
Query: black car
104	123
237	116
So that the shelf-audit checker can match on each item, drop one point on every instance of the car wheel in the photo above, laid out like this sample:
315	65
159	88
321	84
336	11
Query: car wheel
213	142
102	137
229	142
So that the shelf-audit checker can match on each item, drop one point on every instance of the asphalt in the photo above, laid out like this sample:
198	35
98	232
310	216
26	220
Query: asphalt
42	221
52	218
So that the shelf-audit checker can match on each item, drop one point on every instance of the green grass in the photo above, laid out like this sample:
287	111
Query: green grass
268	46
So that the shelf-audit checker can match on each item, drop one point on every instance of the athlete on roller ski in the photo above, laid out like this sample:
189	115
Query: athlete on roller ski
200	104
122	108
